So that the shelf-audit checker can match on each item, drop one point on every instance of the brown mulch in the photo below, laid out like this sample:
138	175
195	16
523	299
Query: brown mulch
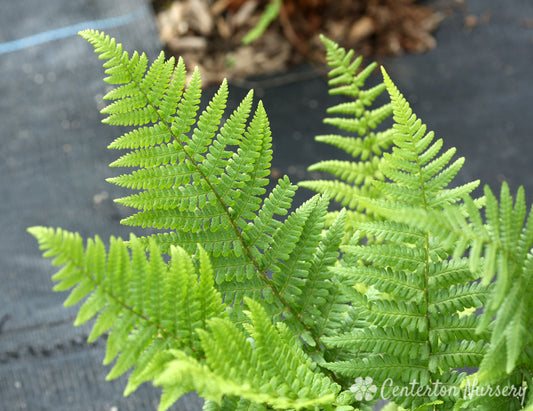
209	33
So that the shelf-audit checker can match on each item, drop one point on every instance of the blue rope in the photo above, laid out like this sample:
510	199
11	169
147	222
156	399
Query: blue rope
68	31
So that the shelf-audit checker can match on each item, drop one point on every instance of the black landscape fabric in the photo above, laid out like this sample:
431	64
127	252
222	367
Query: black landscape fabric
474	90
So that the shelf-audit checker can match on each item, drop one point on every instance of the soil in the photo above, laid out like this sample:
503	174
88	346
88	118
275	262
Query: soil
209	33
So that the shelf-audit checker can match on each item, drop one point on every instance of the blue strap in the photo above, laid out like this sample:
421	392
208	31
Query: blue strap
68	31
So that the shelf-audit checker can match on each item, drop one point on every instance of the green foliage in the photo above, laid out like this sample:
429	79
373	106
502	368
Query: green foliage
420	290
255	307
148	306
501	247
269	366
360	119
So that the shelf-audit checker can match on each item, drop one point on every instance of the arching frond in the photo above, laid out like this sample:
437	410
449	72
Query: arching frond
202	178
147	305
499	243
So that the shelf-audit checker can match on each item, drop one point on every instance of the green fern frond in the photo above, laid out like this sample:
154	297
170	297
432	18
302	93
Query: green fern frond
353	117
498	243
266	367
416	175
147	305
344	72
411	287
203	179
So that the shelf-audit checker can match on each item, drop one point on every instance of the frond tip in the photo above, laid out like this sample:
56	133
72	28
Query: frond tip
362	121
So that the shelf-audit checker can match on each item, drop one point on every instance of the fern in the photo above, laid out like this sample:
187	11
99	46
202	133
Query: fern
359	121
195	185
148	306
499	244
269	366
255	307
203	182
420	287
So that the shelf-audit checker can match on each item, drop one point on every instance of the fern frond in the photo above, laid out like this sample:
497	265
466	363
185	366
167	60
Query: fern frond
411	288
203	179
344	72
498	243
356	116
417	176
146	304
267	367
